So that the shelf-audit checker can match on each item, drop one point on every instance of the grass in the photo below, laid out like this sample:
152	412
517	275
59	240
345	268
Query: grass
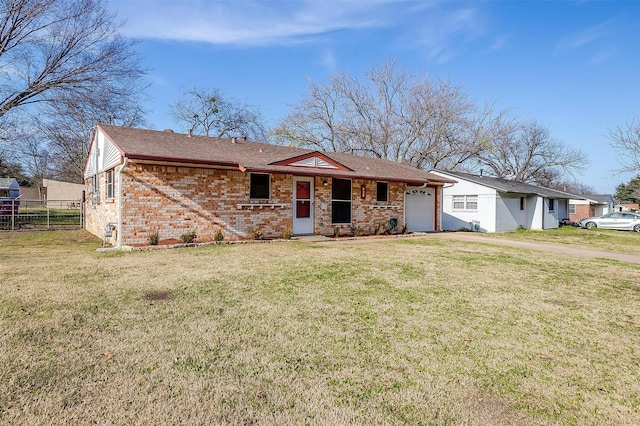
601	239
406	331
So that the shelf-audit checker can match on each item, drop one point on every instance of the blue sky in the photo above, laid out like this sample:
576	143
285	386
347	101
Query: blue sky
574	66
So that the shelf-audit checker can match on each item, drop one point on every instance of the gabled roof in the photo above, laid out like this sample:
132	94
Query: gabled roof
510	186
9	183
600	198
167	146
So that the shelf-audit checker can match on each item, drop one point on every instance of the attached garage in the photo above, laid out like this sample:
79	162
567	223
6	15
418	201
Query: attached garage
419	208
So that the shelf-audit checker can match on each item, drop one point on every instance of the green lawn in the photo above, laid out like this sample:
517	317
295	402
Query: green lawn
391	331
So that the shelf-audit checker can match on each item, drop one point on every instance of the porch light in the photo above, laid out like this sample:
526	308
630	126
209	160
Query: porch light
324	182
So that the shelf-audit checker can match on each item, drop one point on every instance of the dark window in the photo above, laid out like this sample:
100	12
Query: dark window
521	203
259	187
552	204
340	201
110	191
382	191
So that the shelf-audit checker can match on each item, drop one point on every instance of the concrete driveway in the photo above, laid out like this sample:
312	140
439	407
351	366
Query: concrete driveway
535	245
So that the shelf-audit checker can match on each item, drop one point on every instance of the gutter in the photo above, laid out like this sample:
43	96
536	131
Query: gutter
118	245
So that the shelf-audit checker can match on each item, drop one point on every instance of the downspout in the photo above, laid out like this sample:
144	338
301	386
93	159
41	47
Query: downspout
118	245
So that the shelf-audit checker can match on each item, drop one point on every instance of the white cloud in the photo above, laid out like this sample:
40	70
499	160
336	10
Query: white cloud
443	30
246	22
499	43
585	37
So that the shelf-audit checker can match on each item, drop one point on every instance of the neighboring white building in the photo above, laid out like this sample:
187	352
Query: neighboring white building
488	204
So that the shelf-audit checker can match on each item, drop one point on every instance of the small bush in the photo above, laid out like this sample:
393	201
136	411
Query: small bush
258	234
405	229
287	233
380	229
336	231
188	237
357	230
154	238
218	236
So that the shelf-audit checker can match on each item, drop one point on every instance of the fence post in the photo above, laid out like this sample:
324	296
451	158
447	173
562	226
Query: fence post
13	214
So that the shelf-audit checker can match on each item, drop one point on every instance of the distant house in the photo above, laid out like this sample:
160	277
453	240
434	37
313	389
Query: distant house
142	181
627	207
64	192
9	200
591	205
488	204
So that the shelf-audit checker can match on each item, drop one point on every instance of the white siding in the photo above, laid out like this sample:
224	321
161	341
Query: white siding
550	218
508	214
103	156
535	211
454	220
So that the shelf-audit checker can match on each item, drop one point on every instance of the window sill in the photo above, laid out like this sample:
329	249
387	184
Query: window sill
261	206
384	207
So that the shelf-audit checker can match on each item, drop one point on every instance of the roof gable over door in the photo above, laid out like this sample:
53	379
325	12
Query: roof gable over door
313	159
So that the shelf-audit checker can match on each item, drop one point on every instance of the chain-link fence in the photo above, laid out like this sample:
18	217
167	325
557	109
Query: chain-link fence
18	214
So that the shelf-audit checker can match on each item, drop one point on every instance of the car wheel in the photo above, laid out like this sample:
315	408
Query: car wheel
636	228
590	225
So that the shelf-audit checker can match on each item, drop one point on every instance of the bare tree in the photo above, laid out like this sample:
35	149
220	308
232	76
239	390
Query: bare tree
529	154
626	141
63	67
394	115
68	126
54	49
573	187
209	112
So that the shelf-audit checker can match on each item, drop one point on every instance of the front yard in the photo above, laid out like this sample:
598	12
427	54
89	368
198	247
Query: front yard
392	331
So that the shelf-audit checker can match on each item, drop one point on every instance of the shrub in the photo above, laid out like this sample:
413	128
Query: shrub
287	233
258	234
336	231
218	236
154	238
380	229
188	237
357	230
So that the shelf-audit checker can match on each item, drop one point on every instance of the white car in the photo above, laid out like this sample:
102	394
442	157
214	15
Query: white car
620	221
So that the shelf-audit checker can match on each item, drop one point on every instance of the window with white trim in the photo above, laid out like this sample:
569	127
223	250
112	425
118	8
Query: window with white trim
465	202
340	201
95	189
110	184
572	209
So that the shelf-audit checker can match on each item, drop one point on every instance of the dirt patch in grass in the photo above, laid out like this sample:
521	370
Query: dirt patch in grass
156	295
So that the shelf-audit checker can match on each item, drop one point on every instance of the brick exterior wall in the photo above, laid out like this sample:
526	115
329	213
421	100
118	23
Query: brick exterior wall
582	211
365	212
174	200
98	215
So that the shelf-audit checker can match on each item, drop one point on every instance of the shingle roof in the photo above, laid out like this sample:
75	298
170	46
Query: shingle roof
510	186
600	198
168	146
8	183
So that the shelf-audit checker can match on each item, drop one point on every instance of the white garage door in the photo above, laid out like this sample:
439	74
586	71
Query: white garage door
419	209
